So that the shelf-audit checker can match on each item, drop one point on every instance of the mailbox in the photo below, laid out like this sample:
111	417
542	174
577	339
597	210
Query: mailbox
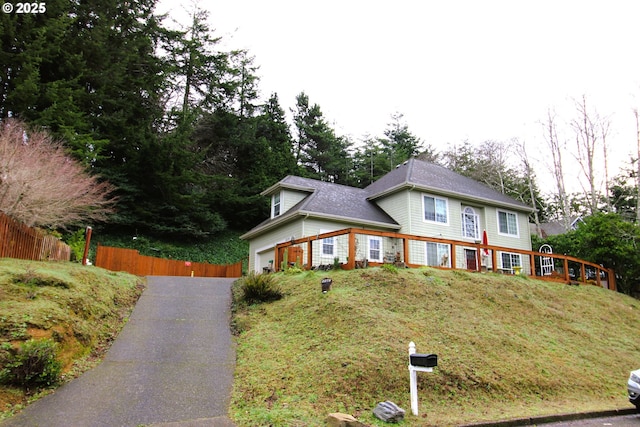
424	360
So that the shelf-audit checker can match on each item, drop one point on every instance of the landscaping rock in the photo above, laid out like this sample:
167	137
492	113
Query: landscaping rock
343	420
389	412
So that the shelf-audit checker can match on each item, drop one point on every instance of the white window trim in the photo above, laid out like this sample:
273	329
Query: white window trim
448	259
273	204
333	247
446	201
476	219
369	240
517	235
511	254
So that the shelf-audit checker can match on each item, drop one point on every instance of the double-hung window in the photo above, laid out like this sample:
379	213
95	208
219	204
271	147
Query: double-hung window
435	209
375	249
328	246
470	224
509	261
508	223
275	205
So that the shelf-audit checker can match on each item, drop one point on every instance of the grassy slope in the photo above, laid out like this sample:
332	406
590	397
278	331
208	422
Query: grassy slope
507	346
81	308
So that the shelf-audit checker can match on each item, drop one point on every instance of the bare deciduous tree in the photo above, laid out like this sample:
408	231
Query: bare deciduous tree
41	185
555	146
591	132
635	112
530	177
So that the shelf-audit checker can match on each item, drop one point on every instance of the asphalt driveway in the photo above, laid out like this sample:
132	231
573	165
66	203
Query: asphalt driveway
171	365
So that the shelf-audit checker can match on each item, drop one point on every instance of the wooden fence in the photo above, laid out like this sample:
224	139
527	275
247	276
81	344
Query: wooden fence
20	241
409	248
130	260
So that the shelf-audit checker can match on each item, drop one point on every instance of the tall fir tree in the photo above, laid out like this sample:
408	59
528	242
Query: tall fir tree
318	151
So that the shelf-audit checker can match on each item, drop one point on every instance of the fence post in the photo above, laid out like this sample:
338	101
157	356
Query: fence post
87	242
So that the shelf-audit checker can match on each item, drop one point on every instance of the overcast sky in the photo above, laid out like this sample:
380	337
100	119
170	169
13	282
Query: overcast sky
456	70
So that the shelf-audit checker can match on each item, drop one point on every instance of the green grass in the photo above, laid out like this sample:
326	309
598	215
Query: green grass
80	308
508	347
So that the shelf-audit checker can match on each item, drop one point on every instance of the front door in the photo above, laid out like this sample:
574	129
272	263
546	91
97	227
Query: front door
472	259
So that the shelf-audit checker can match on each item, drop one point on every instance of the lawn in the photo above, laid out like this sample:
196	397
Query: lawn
508	347
79	308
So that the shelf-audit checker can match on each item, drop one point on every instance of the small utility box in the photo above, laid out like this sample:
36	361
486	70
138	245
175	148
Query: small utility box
326	284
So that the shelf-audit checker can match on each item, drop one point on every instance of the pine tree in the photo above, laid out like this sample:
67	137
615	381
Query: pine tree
319	152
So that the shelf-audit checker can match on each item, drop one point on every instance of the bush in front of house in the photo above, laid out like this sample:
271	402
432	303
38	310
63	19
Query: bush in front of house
258	288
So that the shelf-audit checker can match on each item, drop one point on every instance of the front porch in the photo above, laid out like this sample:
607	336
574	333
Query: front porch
355	248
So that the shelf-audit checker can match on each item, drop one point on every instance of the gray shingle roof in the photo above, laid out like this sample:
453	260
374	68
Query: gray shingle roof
434	178
331	201
357	206
338	201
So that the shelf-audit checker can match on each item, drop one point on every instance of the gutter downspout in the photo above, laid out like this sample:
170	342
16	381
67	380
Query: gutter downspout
303	224
410	231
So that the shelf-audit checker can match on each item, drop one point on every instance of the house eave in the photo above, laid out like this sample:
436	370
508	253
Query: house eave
281	185
308	214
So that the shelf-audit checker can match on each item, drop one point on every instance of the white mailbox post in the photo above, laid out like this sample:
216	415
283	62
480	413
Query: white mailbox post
418	363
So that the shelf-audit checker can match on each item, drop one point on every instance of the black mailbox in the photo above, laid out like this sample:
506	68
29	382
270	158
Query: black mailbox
424	360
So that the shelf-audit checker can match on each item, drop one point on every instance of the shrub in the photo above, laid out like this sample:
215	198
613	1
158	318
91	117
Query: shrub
390	268
33	364
293	270
76	242
260	288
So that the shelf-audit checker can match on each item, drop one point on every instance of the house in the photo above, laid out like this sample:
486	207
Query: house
554	228
446	214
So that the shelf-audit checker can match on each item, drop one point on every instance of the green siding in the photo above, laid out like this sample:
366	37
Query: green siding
290	198
269	240
406	207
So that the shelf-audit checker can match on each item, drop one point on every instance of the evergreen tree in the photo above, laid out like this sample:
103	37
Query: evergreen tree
399	143
319	152
370	162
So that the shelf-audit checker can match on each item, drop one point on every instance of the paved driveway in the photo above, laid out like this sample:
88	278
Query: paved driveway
172	364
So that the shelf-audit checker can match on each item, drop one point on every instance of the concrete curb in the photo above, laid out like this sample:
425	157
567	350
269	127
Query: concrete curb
532	421
202	422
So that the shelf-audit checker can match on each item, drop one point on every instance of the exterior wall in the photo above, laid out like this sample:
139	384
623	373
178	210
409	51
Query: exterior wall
397	206
390	247
259	247
523	241
290	198
314	226
407	208
262	248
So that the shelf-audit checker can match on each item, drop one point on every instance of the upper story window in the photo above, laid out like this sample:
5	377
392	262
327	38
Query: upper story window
435	209
470	224
508	223
275	205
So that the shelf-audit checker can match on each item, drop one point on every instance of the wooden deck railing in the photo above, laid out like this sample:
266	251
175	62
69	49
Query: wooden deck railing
564	268
18	240
130	260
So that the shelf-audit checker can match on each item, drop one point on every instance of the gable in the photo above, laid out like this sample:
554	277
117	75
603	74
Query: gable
436	179
325	200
